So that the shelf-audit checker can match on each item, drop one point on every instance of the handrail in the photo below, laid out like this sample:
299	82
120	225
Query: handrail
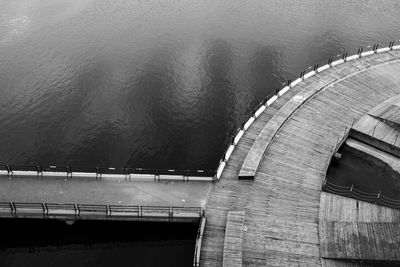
101	172
307	73
353	192
199	240
16	209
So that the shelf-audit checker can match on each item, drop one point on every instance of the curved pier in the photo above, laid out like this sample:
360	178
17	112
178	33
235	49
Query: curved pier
286	149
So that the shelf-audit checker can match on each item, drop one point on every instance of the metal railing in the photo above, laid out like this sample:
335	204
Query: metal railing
199	240
101	172
305	74
82	211
353	192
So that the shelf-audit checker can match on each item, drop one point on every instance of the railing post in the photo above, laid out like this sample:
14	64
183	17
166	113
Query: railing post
9	170
45	209
157	175
289	83
315	68
108	211
69	171
77	209
344	56
125	173
391	45
12	207
187	175
39	171
302	75
378	196
98	173
330	60
375	48
359	52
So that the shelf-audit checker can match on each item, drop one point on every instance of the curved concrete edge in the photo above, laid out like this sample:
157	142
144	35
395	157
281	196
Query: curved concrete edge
267	134
269	102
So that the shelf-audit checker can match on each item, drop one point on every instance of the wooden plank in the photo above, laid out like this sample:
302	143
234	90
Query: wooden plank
233	239
342	209
360	240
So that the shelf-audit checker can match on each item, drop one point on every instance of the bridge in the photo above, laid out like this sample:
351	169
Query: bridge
267	203
106	194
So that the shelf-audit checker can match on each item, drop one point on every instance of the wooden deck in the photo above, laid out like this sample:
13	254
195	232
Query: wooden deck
233	239
380	128
282	203
357	230
360	240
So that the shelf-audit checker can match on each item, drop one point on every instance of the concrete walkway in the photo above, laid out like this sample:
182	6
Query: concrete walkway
109	191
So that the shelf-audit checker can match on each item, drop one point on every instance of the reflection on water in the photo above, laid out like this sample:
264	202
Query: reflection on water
158	83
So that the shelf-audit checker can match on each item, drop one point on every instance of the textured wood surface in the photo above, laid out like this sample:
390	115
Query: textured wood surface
360	240
282	203
233	239
342	209
357	230
379	127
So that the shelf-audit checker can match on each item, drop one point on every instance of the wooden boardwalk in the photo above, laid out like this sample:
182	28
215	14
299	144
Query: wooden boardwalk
233	239
357	230
282	203
380	127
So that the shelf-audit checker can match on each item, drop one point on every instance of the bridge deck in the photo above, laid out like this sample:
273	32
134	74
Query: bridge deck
281	205
106	191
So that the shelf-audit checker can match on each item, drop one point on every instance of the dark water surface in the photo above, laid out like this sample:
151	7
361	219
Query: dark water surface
365	173
49	243
158	84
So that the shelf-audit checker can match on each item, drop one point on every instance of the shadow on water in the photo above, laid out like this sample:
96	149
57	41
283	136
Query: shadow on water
182	136
47	242
265	73
216	103
153	116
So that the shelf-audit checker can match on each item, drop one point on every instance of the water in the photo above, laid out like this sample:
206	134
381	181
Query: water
365	173
158	84
49	243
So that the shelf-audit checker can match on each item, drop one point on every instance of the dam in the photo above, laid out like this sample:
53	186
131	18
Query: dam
269	203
